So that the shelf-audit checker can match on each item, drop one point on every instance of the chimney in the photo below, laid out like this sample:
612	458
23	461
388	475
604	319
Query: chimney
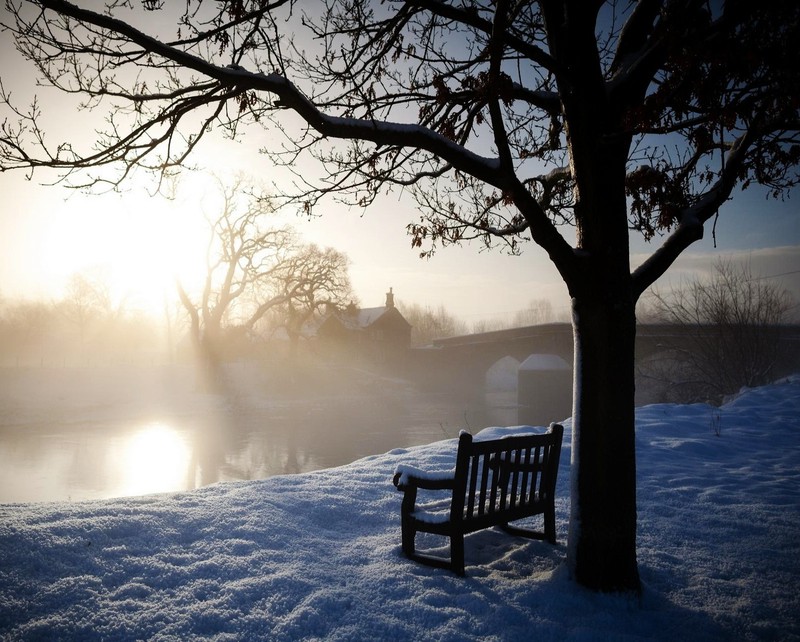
389	299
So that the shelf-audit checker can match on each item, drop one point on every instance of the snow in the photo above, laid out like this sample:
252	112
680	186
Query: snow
317	555
405	471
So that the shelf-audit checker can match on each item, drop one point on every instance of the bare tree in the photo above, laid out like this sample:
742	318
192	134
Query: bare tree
730	327
243	258
82	326
504	119
317	281
25	329
87	302
428	324
252	269
538	311
490	325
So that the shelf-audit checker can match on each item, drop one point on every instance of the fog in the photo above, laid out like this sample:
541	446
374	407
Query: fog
74	433
97	403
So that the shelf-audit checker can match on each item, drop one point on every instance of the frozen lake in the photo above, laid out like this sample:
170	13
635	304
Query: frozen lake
70	434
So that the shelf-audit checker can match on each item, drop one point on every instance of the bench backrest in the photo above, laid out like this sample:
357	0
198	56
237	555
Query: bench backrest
505	479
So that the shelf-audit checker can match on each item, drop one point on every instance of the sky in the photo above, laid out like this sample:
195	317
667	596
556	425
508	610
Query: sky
48	233
316	556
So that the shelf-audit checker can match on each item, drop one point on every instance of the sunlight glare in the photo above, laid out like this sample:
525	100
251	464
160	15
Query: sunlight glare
154	460
143	244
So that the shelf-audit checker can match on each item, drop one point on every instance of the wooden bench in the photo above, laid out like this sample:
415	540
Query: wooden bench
494	482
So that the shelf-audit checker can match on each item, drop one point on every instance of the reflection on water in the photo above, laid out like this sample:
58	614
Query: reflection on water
153	459
59	445
67	462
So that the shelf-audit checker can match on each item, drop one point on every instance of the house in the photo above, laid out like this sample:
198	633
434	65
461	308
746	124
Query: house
381	333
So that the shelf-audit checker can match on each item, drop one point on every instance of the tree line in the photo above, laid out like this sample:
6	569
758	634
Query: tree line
85	326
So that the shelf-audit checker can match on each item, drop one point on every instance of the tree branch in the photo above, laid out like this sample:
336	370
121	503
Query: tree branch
472	19
289	96
693	218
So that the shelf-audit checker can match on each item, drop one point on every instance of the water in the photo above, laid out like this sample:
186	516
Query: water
78	434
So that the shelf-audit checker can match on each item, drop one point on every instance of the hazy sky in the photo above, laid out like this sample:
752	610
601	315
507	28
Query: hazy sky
140	242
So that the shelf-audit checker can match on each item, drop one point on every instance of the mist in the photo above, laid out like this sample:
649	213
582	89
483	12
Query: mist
99	402
74	433
102	402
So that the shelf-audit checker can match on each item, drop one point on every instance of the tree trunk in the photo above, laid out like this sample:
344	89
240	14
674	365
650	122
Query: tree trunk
209	344
602	537
602	533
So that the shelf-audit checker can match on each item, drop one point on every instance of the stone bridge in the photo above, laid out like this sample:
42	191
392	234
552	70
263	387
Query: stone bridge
469	357
463	362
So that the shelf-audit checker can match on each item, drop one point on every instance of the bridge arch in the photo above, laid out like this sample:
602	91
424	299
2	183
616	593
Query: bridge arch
502	374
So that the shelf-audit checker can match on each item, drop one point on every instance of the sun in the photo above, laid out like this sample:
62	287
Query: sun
138	245
158	247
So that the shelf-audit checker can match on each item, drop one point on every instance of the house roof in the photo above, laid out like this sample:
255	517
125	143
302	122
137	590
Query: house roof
362	318
367	316
359	318
356	319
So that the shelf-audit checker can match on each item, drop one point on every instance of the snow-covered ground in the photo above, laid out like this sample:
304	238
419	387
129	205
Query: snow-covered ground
317	555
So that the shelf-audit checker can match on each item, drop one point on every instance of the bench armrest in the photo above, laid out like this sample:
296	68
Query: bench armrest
406	476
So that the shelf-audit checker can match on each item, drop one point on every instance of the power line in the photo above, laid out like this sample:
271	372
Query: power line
775	276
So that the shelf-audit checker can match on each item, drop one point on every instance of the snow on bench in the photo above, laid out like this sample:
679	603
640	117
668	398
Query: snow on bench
494	482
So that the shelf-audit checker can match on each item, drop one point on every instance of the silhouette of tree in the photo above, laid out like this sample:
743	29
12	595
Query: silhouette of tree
428	324
503	119
87	301
253	269
25	328
84	326
731	324
538	311
319	281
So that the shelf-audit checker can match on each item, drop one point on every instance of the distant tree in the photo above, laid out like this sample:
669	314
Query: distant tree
538	311
318	280
428	324
87	302
490	325
25	329
730	327
252	269
83	326
504	120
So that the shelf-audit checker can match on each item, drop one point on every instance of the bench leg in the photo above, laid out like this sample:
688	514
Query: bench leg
406	521
550	524
408	536
548	534
457	553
